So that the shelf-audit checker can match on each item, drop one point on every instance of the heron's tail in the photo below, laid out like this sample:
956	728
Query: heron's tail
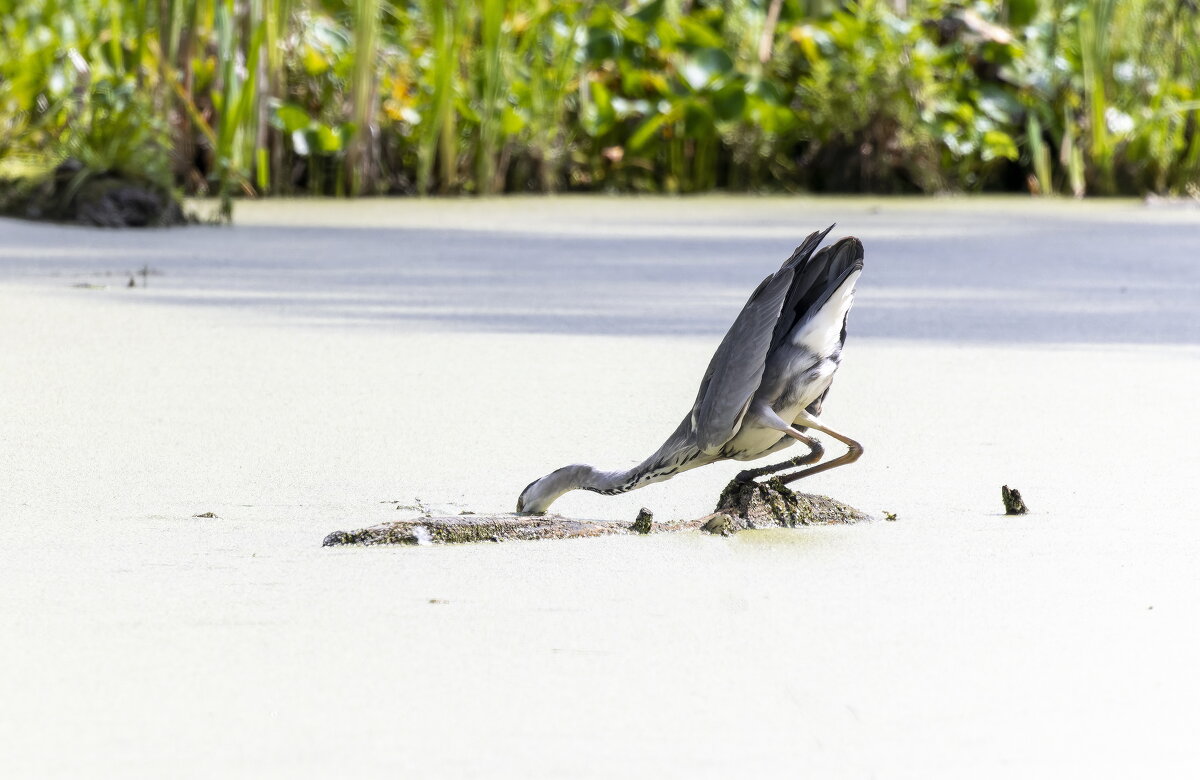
819	278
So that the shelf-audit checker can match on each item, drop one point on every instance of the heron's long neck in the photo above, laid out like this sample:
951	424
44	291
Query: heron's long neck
612	482
677	454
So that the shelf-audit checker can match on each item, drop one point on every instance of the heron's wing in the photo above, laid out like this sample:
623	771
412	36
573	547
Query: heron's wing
807	247
736	368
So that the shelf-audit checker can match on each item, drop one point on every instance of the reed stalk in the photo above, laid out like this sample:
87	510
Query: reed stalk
490	60
438	139
360	158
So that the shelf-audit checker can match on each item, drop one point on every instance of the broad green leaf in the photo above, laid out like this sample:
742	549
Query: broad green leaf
1021	12
998	104
650	11
805	37
291	117
997	145
599	117
511	121
314	61
704	67
700	32
730	102
646	131
601	44
329	141
698	119
768	90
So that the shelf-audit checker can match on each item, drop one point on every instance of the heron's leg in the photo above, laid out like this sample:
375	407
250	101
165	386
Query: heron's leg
814	455
854	452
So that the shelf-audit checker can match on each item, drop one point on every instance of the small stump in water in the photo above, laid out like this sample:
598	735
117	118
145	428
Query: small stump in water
1013	503
644	523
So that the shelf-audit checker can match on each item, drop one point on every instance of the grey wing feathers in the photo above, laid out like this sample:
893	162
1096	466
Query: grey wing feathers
736	369
805	250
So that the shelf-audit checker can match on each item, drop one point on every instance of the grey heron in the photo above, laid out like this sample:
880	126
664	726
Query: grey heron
764	386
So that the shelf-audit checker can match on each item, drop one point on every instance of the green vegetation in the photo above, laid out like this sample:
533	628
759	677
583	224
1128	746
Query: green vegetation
260	97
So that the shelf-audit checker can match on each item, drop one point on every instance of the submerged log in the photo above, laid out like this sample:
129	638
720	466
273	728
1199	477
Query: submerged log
741	506
457	529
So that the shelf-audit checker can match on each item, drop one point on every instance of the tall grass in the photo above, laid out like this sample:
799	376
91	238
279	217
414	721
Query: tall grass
248	97
277	16
547	52
360	158
1096	45
491	59
236	131
438	126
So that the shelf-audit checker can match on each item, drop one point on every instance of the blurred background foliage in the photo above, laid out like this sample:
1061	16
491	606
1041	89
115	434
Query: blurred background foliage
344	97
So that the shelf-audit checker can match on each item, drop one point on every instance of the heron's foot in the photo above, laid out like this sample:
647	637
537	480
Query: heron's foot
790	476
750	476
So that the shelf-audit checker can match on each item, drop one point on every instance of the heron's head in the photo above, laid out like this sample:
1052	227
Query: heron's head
537	497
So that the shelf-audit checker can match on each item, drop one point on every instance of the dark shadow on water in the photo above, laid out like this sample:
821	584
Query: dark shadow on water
1026	280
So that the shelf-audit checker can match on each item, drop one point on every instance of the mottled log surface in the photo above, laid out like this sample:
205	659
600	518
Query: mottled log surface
745	505
741	506
495	528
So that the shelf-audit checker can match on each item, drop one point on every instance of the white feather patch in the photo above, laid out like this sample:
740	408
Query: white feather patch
823	331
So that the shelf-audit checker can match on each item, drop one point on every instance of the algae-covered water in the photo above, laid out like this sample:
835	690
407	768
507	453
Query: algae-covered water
320	364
